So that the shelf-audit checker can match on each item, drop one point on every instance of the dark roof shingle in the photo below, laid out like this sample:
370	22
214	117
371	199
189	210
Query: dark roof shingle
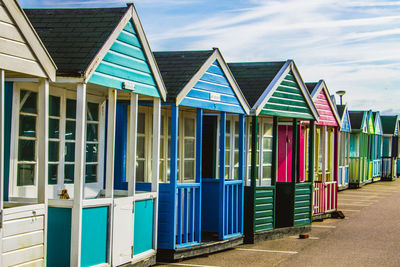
178	67
341	109
389	124
356	119
254	77
74	36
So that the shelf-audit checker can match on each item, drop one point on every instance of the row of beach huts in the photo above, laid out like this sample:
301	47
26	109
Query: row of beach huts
112	154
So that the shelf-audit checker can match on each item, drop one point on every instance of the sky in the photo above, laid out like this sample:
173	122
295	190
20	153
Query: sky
354	45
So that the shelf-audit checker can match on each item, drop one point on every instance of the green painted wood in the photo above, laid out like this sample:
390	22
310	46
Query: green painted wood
287	102
289	83
286	114
303	204
288	96
290	77
292	90
58	237
254	141
264	208
294	151
144	220
286	108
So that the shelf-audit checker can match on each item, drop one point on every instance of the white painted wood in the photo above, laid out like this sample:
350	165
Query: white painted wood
132	145
60	79
23	255
76	226
43	140
22	241
20	65
23	214
2	89
112	107
25	80
35	263
10	32
156	160
98	202
61	203
123	221
13	208
324	152
4	17
16	49
144	255
24	225
145	195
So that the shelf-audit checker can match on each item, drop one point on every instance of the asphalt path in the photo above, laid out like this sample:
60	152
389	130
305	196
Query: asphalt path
368	236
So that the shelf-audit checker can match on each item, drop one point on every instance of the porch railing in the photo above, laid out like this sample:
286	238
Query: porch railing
377	168
188	227
319	197
233	207
389	165
330	196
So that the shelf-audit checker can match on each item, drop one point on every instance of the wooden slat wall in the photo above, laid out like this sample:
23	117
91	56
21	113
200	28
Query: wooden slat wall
15	53
126	62
215	82
264	209
302	204
325	111
288	101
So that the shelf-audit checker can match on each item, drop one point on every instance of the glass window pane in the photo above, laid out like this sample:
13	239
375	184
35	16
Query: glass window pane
54	128
189	170
267	129
92	111
162	169
26	174
27	126
228	142
236	173
53	173
140	147
228	126
91	174
227	157
91	152
91	132
236	142
71	109
236	127
189	148
267	157
26	150
161	149
267	172
140	170
141	123
54	106
227	173
267	143
28	102
236	162
70	130
53	151
69	173
69	152
162	125
189	127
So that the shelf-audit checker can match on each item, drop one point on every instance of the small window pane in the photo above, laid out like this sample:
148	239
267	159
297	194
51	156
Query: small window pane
228	127
189	127
141	123
236	158
27	126
70	130
53	151
69	173
162	125
189	149
91	132
228	142
71	109
227	157
161	166
267	143
25	174
236	142
140	147
53	173
236	127
267	129
227	172
267	172
169	126
189	170
140	170
54	128
91	174
54	106
69	152
28	102
267	157
92	111
236	173
26	150
91	152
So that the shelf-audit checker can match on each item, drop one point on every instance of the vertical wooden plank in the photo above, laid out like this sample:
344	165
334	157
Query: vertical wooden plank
79	176
186	215
179	216
156	160
2	106
274	168
222	201
43	152
294	152
254	145
311	162
199	155
242	174
132	143
192	213
239	209
174	171
336	163
112	106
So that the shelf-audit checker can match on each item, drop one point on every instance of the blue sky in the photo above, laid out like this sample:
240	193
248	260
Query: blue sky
354	45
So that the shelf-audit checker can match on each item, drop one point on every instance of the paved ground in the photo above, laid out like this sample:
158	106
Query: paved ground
368	236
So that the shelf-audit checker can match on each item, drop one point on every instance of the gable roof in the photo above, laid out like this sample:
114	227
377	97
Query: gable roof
14	16
78	39
377	122
315	89
344	116
259	80
389	124
181	70
341	110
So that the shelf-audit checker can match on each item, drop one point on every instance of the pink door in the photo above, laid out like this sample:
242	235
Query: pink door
285	142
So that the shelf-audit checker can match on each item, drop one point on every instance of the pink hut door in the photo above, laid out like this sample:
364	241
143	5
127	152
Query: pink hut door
285	143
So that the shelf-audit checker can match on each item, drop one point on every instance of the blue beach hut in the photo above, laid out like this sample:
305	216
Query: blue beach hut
98	211
344	147
390	126
201	186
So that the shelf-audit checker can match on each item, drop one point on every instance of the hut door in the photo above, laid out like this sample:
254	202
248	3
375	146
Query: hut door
122	249
209	159
285	139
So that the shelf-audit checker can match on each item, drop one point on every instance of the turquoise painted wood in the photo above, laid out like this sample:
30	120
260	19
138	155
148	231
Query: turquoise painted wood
58	237
288	101
8	95
126	62
345	122
94	236
143	232
213	81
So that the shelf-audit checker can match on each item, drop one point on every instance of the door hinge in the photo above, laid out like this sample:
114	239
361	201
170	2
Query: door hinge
133	207
131	250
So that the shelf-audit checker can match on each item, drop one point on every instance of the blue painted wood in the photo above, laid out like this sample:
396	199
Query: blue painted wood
213	81
242	158
346	122
199	164
186	216
211	205
8	96
126	62
222	204
121	124
94	236
165	217
174	169
58	237
143	187
144	220
179	231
